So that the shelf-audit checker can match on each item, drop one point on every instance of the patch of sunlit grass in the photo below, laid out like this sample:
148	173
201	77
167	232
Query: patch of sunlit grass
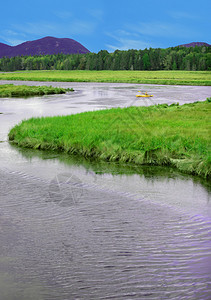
172	135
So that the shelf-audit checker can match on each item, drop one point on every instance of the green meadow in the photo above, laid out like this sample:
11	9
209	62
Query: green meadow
10	90
151	77
176	136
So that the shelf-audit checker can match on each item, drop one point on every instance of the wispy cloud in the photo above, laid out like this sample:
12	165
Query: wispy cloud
40	29
63	14
65	25
125	40
163	29
10	32
82	27
11	37
14	42
178	15
121	32
125	44
96	14
36	28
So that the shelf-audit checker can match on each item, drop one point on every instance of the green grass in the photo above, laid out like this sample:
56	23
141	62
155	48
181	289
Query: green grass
10	90
152	77
176	136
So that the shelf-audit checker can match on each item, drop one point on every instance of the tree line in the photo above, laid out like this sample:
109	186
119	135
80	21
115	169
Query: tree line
175	58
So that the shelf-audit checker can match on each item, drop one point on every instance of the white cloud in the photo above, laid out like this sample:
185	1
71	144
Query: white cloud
125	44
14	42
125	33
63	14
182	15
37	28
67	29
11	37
96	13
162	29
82	27
125	40
19	33
10	32
70	28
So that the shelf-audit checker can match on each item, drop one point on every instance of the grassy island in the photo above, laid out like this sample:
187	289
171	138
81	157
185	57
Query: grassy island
173	135
152	77
10	90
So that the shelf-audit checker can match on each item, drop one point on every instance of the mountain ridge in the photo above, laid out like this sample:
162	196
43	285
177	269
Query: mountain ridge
194	44
51	45
44	46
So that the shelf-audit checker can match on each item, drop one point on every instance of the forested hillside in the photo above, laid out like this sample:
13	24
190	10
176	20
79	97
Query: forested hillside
176	58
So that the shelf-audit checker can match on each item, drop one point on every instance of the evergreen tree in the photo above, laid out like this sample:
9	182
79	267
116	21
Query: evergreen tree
177	58
146	61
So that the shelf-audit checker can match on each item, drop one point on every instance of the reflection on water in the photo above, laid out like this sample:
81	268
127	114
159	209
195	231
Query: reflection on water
156	183
110	244
78	229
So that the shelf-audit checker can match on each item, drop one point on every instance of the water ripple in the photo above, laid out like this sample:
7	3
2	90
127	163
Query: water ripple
108	245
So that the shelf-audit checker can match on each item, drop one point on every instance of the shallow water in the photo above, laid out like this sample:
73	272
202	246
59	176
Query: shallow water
76	229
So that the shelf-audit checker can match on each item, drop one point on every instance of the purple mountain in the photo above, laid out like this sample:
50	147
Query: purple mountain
4	49
195	44
44	46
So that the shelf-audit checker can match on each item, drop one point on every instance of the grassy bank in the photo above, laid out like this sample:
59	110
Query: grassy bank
174	135
152	77
10	90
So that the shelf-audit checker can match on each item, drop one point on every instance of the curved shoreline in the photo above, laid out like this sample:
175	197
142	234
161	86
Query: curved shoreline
11	90
156	135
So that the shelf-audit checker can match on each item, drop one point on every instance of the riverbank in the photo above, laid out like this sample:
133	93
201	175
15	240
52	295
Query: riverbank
10	90
195	78
176	136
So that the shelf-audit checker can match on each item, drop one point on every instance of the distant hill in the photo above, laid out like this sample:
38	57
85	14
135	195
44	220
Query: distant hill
193	44
4	49
44	46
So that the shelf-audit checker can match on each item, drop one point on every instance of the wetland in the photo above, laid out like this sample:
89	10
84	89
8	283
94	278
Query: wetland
74	228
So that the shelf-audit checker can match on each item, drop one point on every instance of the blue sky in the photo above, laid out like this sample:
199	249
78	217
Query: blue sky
108	24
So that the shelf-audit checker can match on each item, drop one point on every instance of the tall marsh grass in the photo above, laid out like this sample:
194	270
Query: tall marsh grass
152	77
10	90
174	135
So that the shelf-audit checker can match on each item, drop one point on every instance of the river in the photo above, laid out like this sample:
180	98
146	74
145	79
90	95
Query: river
77	229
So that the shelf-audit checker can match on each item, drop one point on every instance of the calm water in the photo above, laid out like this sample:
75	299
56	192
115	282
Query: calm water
76	229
